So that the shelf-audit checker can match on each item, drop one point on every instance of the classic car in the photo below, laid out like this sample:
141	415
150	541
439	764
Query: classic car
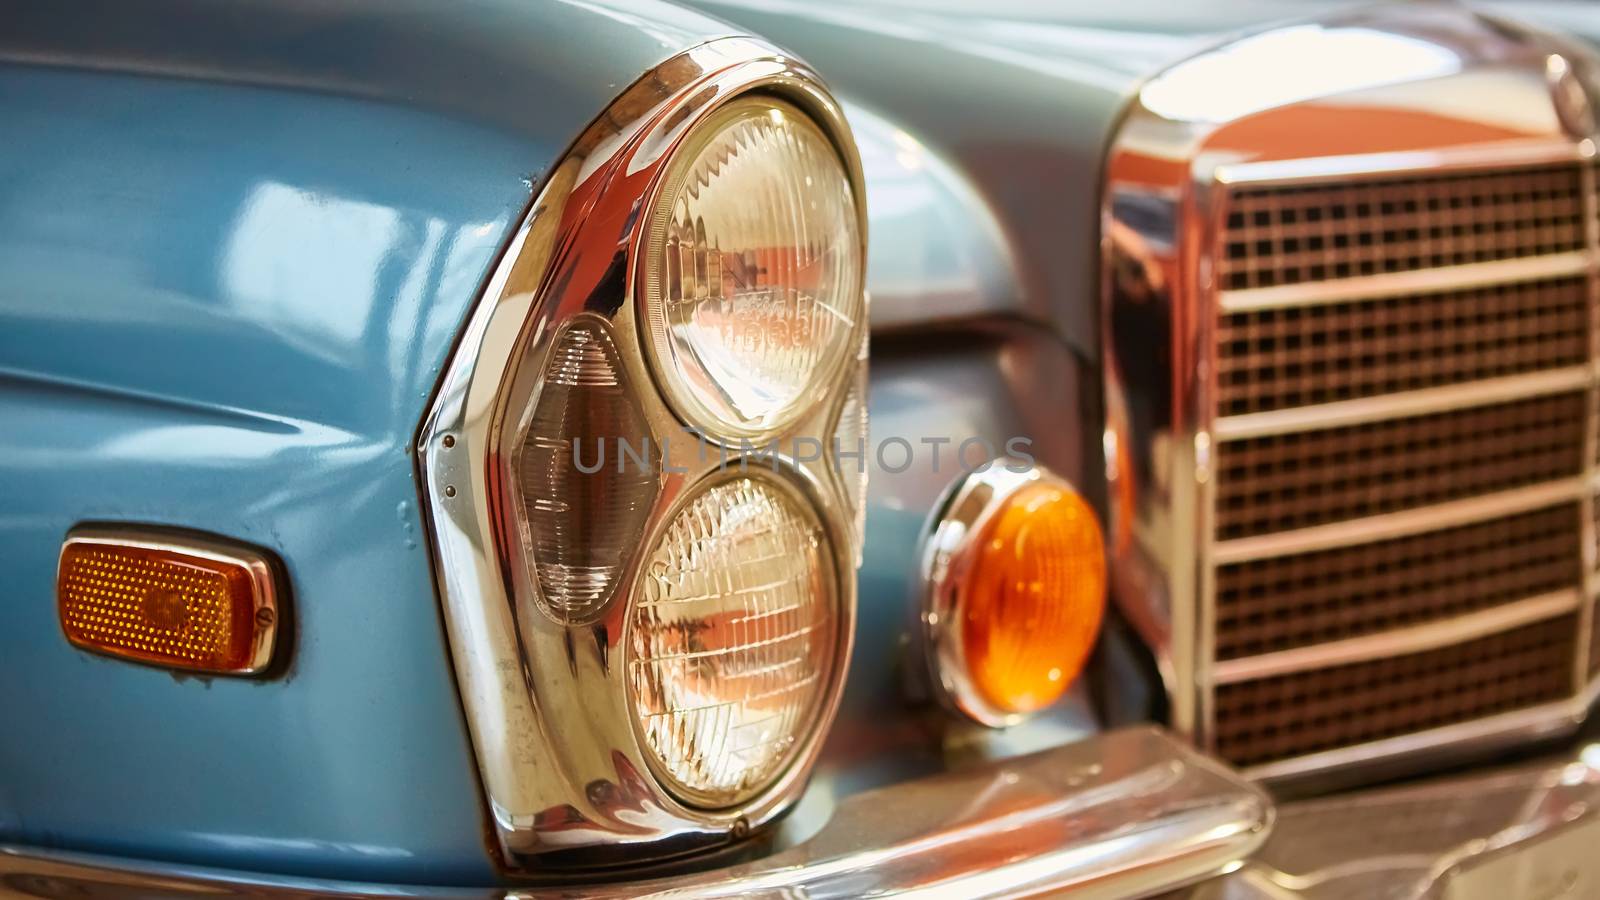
799	449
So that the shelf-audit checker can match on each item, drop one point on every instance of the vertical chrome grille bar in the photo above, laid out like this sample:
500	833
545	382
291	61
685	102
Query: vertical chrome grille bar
1591	447
1208	287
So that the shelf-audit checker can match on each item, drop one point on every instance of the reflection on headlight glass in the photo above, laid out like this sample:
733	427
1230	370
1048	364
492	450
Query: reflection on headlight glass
753	279
733	639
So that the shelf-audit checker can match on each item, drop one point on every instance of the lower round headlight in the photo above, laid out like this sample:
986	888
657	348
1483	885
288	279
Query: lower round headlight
733	639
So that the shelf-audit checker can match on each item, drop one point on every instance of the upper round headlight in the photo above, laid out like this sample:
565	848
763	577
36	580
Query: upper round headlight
733	639
752	274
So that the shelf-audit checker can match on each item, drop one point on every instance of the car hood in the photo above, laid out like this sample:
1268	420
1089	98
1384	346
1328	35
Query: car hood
1019	100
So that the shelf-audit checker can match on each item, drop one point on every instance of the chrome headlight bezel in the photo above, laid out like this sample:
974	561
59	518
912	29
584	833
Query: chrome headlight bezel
567	779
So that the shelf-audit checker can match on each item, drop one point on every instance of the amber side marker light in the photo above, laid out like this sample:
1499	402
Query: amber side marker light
1016	575
189	603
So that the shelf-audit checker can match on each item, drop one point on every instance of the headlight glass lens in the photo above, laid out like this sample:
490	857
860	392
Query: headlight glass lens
753	269
733	639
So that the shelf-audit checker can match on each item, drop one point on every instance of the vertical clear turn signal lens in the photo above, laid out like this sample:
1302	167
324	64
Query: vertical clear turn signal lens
752	283
733	639
584	472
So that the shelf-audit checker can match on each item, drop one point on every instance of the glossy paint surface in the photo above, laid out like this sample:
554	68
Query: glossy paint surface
937	251
1573	18
238	243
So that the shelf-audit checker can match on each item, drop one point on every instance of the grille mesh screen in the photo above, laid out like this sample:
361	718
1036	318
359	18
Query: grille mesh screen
1289	481
1312	711
1300	356
1279	603
1290	235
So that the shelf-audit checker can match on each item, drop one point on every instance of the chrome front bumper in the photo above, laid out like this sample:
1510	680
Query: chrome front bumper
1130	813
1125	814
1531	831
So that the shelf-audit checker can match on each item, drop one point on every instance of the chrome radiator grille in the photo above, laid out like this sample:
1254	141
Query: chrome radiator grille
1403	431
1283	482
1284	602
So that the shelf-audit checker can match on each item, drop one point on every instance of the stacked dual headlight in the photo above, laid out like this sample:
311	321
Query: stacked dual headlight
753	306
647	539
733	638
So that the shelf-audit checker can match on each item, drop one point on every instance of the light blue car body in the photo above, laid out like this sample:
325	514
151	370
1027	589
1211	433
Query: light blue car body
237	244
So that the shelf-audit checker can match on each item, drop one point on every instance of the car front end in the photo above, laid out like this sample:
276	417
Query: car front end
1226	380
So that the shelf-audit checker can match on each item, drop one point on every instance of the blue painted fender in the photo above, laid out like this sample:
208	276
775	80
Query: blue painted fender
238	242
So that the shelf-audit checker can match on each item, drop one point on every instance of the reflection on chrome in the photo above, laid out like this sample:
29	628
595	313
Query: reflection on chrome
1305	62
547	655
1128	813
1523	832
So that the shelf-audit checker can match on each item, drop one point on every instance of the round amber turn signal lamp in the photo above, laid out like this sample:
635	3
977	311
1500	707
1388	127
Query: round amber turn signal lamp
1017	576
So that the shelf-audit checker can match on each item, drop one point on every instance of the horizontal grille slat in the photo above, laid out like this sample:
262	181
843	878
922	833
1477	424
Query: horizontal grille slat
1274	359
1270	605
1290	235
1289	481
1309	712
